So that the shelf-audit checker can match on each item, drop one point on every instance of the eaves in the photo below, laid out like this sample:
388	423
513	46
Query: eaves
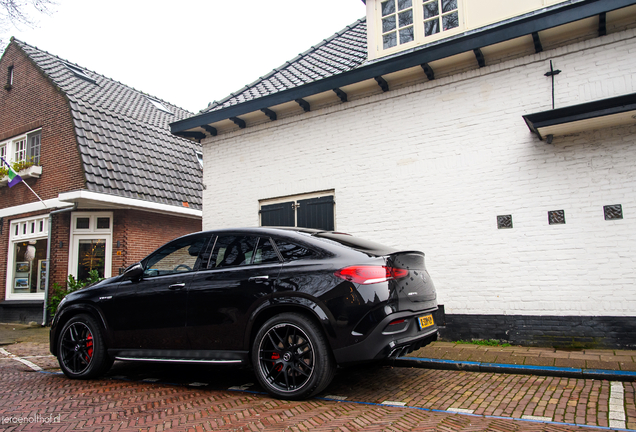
471	41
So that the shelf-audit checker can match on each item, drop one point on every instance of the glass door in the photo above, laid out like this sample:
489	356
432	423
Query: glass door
91	245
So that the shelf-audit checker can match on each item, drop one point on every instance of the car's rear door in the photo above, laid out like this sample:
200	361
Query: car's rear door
241	269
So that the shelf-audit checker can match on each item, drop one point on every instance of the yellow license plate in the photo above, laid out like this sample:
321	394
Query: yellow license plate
425	321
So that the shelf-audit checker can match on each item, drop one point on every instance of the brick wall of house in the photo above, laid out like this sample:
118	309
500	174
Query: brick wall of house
34	102
140	233
432	165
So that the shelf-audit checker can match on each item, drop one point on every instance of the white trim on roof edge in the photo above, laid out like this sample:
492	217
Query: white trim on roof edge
51	204
114	201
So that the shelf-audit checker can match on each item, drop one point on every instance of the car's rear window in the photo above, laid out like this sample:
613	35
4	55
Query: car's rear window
356	243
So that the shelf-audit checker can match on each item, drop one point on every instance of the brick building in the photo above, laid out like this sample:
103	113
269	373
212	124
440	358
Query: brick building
498	137
115	183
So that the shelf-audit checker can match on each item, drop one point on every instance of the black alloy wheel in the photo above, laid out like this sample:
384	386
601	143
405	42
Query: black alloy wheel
291	357
81	351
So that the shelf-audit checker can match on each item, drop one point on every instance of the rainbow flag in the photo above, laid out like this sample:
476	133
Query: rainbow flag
14	178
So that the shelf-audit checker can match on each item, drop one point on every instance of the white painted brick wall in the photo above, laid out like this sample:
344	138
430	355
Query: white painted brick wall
432	165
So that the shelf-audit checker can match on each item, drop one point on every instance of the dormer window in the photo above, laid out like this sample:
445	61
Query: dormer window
397	22
440	15
158	105
80	73
402	24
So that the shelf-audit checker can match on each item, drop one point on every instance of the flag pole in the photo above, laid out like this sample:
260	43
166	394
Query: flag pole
38	196
13	174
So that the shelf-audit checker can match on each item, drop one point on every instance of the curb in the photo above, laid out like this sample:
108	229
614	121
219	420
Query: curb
603	374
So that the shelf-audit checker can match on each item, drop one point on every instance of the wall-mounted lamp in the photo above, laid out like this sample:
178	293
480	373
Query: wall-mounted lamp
61	245
117	243
549	138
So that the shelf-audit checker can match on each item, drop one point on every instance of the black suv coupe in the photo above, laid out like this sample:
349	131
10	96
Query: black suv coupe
294	303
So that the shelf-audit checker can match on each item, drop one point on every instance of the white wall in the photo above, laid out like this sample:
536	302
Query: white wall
432	165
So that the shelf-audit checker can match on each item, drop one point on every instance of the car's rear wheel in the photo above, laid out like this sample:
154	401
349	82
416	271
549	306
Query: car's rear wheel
81	350
291	357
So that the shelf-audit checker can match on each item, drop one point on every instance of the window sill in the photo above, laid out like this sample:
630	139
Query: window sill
34	171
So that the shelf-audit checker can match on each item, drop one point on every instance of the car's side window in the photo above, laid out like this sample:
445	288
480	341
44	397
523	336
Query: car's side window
177	257
265	253
232	250
292	252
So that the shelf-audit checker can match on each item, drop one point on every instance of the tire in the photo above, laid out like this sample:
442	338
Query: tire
291	357
81	352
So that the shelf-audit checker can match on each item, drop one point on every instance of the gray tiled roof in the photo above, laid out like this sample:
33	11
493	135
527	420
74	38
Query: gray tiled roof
124	140
344	51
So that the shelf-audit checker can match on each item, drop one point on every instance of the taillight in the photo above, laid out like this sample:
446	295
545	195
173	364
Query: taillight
370	274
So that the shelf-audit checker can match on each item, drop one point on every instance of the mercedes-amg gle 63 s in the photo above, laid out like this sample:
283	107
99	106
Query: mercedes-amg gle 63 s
294	303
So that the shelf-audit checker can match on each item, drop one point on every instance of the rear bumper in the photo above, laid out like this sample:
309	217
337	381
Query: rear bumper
380	344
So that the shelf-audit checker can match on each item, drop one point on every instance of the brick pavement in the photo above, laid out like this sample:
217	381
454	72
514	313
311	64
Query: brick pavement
619	360
196	398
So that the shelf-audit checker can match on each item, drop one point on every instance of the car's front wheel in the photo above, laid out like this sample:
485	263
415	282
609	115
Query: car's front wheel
291	357
81	351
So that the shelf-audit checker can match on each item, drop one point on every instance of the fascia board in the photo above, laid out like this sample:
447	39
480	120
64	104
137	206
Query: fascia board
49	204
475	39
79	196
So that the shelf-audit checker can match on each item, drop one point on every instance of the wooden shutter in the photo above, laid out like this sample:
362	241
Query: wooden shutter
281	214
316	213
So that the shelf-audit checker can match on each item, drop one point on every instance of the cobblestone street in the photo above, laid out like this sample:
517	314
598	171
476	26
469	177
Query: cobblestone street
143	397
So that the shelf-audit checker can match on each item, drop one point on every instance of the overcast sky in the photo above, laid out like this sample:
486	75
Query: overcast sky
187	52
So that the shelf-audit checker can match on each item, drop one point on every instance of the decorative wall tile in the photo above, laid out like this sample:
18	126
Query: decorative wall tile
504	221
556	217
614	211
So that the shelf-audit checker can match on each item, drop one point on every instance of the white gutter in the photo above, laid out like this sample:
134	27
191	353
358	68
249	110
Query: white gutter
87	199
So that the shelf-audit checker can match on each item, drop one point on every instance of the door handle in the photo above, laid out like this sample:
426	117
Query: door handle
258	278
176	286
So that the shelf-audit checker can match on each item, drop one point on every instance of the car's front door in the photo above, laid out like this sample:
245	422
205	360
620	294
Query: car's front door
150	313
240	270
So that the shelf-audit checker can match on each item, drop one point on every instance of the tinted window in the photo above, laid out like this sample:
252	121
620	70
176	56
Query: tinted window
232	251
291	252
178	256
265	252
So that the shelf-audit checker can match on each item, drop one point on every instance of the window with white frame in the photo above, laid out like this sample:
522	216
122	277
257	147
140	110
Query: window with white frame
26	148
91	244
403	23
20	149
440	16
27	264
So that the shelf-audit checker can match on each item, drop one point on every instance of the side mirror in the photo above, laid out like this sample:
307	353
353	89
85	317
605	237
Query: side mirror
134	272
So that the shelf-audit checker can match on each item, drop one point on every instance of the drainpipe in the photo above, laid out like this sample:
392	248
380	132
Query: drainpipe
48	260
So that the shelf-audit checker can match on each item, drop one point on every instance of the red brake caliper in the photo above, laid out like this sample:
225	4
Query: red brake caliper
89	346
278	367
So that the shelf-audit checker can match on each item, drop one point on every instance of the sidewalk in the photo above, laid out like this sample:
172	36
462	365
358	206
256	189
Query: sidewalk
616	365
14	333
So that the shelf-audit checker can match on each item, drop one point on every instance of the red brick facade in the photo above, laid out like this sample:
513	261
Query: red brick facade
32	102
140	233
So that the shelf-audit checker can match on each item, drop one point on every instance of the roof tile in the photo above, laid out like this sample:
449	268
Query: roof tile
117	123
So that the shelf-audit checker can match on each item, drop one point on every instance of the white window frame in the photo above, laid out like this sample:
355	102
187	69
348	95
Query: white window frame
20	149
418	27
12	152
21	230
92	232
